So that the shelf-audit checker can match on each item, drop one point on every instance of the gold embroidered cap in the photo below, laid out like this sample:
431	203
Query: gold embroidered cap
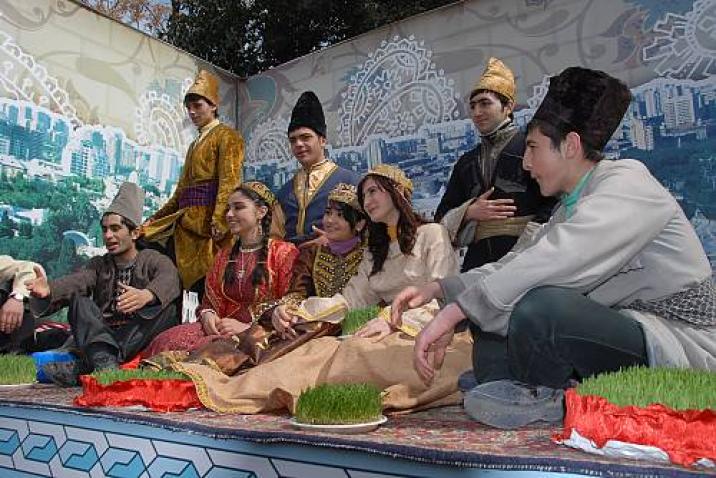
261	190
205	85
346	194
498	78
393	173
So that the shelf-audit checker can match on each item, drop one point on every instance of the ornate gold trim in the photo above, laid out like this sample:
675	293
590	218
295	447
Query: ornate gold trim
303	200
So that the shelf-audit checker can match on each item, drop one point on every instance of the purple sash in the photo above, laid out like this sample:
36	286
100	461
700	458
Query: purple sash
203	194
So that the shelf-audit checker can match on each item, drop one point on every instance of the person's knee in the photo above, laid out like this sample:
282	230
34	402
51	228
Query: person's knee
78	300
82	309
532	311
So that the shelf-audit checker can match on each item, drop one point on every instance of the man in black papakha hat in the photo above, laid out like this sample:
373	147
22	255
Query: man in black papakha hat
616	278
118	302
304	198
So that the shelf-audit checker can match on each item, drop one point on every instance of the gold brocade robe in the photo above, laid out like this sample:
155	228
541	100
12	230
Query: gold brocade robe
216	156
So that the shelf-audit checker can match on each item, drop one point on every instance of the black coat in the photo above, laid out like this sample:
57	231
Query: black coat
510	180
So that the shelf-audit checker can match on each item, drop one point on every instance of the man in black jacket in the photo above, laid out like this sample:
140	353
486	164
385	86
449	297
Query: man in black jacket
489	198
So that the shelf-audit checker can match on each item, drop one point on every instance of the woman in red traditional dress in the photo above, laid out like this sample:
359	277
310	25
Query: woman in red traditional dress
246	279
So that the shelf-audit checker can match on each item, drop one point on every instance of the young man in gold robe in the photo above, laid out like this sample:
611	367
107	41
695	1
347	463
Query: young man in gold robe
193	222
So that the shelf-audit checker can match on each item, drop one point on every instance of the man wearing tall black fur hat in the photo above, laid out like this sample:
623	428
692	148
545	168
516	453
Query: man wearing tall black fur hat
616	278
304	198
119	301
490	199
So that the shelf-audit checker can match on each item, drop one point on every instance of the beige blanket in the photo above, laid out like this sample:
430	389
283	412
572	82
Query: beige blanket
387	363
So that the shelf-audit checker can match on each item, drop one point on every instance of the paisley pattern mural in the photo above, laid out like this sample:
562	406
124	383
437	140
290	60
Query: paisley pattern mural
84	119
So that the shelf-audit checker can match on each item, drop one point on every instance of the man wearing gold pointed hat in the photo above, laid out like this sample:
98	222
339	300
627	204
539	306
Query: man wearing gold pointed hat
489	198
192	224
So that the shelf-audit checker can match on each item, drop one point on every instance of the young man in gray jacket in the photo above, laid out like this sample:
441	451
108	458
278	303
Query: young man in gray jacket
616	278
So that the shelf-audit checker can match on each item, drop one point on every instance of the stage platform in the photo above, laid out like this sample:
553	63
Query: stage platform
42	434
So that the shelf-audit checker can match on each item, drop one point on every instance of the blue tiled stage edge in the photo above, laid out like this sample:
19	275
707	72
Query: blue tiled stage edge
38	442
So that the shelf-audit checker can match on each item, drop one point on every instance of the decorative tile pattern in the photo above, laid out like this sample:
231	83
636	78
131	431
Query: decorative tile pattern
49	449
437	442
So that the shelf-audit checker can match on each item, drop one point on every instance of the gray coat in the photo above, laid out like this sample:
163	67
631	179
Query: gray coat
627	245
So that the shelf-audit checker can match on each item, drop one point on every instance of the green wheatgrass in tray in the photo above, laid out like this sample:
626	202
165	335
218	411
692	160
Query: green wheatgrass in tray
110	376
357	318
678	389
17	369
339	404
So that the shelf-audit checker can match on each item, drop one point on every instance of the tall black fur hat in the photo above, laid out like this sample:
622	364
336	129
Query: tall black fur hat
589	102
308	113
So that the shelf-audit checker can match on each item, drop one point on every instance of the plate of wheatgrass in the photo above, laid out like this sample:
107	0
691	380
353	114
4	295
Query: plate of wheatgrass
345	408
17	371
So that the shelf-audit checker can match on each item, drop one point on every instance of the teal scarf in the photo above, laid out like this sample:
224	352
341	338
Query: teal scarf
570	200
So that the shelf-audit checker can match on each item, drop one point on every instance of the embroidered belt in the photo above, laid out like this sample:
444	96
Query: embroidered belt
511	226
202	194
696	305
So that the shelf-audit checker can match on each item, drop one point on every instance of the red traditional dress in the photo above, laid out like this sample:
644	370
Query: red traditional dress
240	300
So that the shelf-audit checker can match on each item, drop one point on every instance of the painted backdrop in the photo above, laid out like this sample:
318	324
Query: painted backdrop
86	103
399	94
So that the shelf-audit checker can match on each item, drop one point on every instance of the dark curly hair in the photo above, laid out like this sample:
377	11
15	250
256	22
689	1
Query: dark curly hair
260	274
408	223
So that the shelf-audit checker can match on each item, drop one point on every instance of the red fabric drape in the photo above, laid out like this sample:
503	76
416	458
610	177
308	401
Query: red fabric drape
686	436
157	395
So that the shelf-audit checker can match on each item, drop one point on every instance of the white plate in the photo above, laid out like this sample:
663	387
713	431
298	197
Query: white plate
347	429
344	337
13	386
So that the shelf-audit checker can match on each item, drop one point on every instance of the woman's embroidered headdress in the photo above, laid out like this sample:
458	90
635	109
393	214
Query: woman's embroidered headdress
262	191
346	194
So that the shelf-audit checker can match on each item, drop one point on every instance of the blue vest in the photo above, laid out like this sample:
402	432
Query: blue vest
299	222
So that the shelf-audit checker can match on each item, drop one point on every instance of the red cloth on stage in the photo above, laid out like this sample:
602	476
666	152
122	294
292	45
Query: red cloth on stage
157	395
237	300
132	364
686	436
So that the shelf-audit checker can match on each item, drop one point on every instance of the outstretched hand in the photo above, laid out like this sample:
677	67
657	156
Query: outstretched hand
132	299
411	298
228	326
321	239
376	329
39	286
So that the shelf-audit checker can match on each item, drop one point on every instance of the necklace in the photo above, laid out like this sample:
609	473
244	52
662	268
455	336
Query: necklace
250	249
242	267
242	261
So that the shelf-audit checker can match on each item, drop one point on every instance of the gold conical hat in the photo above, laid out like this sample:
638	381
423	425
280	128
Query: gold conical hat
205	85
498	78
393	173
